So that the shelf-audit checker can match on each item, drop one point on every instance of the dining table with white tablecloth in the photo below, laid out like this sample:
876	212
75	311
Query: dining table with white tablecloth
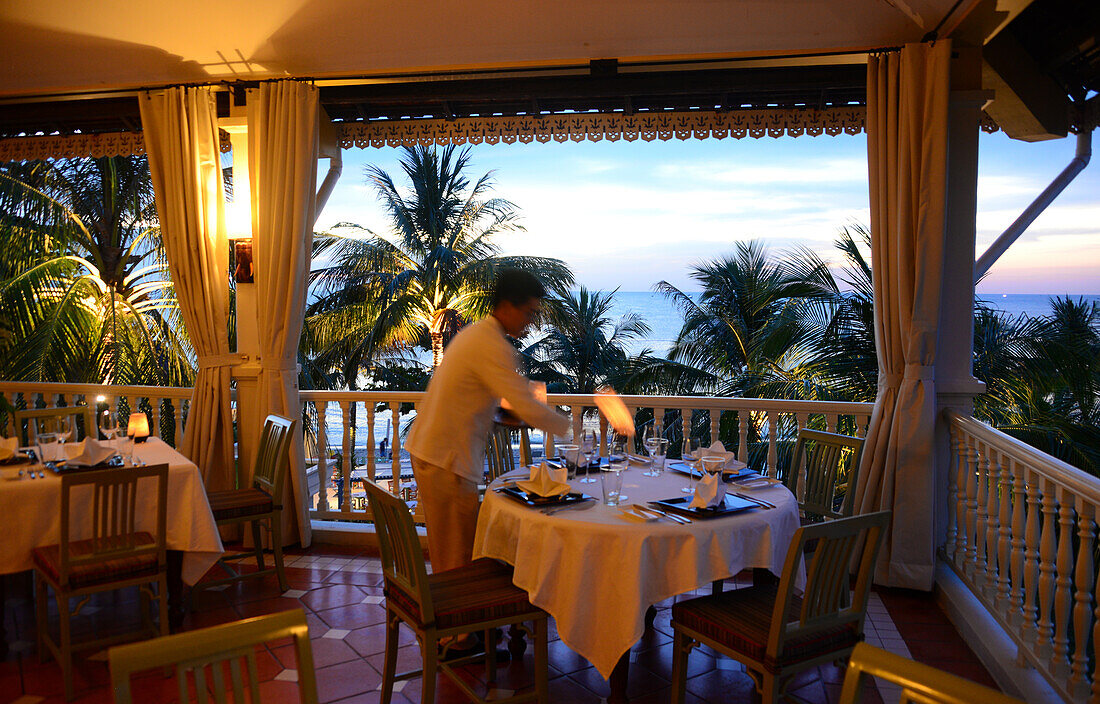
597	572
31	510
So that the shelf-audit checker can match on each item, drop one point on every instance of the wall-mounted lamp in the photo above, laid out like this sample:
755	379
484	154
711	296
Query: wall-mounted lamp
138	427
238	213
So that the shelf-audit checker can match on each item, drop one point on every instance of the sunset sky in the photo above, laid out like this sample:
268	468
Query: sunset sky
628	214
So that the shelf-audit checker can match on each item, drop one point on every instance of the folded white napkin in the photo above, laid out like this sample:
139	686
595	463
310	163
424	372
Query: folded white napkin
89	453
719	450
709	491
545	481
8	448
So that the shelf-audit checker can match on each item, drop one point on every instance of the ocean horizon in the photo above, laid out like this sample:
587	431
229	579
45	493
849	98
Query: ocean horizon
664	321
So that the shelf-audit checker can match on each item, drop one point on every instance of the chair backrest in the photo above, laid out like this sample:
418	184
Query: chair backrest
272	459
113	515
918	682
83	420
828	456
203	654
402	557
825	602
498	450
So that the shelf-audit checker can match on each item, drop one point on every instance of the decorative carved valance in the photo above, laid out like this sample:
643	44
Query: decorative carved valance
579	127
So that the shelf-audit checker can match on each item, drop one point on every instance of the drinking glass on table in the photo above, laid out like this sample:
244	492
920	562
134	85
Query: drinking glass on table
617	458
713	465
691	454
612	480
590	446
657	449
570	457
47	446
108	425
64	429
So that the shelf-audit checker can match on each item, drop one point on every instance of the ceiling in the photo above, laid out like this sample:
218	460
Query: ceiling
69	67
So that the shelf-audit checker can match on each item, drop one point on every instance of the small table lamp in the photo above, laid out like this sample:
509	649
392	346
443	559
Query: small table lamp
138	427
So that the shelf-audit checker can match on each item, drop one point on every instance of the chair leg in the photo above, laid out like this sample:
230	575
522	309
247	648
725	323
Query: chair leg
258	545
429	647
162	604
542	661
681	647
65	646
490	654
389	666
41	615
769	688
277	548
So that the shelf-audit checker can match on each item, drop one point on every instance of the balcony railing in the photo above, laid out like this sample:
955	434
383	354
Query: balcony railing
1022	536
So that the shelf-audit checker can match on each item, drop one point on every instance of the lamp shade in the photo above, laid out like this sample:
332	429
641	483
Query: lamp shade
138	426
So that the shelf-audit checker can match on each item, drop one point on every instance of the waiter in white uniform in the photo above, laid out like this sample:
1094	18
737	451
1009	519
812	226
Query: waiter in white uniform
447	440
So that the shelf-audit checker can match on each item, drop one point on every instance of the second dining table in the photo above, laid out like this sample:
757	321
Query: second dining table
597	572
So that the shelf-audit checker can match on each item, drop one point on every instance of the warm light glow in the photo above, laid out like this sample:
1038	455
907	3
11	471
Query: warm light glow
616	412
138	425
238	217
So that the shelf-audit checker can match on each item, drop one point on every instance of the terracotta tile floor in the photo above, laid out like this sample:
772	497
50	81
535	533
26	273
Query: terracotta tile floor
339	589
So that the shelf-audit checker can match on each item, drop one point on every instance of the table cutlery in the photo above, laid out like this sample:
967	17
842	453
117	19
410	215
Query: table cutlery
753	499
670	516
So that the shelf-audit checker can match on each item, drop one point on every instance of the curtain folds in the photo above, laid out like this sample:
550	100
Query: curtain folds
181	138
907	112
283	146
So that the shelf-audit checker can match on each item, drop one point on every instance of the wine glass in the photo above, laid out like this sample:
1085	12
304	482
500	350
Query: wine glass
108	425
590	446
656	447
693	452
617	460
64	429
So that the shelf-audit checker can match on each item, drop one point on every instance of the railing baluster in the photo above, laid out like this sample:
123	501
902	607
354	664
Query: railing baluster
1019	531
322	445
1063	584
1045	631
1031	558
715	424
659	421
981	534
801	420
397	444
371	444
830	422
177	414
970	557
1004	533
743	416
773	454
1082	597
154	422
950	543
992	513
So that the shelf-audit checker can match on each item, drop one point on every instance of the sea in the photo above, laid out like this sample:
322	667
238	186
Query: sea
664	320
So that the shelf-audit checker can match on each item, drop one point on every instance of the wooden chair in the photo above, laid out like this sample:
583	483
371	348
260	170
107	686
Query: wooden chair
205	652
82	418
776	633
828	457
918	682
498	450
261	504
476	598
117	555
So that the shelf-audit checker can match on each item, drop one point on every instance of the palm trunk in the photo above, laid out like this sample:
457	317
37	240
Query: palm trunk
437	348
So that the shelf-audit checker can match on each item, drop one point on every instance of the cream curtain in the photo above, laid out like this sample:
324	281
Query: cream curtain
907	105
181	138
283	145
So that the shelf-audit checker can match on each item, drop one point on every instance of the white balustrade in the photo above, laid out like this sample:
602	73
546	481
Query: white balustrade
1022	533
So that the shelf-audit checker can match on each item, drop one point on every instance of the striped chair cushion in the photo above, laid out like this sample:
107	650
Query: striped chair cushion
741	621
239	503
47	560
479	591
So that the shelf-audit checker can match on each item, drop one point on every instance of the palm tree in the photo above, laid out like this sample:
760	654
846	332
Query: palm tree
416	286
582	348
84	290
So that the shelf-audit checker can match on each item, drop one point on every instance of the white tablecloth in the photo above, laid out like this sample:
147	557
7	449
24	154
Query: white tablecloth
31	510
596	573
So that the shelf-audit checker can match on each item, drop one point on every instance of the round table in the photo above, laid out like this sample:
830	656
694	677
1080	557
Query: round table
597	573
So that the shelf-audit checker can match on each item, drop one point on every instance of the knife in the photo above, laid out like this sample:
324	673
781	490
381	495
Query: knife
758	502
670	516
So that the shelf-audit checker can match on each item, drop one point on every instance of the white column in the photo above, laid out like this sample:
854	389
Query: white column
956	386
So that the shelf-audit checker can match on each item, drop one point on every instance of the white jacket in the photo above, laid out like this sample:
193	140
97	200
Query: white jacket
453	421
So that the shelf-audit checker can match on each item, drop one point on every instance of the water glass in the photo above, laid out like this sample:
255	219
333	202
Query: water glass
612	485
126	449
570	457
590	446
713	465
48	447
691	454
617	461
